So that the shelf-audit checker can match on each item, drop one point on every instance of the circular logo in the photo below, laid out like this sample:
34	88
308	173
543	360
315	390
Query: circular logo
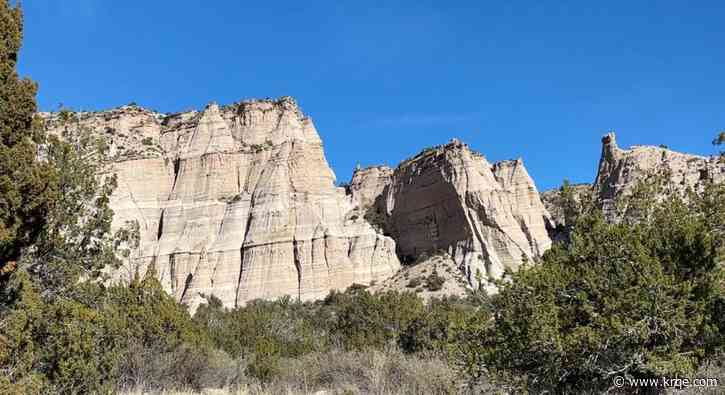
619	381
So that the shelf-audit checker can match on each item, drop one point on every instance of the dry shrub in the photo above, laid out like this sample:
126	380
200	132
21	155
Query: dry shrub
147	369
390	372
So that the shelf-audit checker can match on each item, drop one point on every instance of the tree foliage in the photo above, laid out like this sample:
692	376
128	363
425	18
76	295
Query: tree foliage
26	184
636	298
642	296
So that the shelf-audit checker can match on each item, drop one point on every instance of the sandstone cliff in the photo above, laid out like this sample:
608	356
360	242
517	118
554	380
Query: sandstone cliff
238	202
486	217
621	169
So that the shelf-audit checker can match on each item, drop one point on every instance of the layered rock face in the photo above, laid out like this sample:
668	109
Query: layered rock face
237	202
369	183
487	217
621	169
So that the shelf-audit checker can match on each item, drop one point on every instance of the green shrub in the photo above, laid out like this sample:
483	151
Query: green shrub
434	282
638	297
414	282
366	321
437	328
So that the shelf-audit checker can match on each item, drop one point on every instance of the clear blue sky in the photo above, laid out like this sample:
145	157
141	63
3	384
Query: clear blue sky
382	80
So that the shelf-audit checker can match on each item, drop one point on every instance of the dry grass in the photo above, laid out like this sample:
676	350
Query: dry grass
338	372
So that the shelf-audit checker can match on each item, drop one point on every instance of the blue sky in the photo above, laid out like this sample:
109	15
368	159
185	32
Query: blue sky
382	80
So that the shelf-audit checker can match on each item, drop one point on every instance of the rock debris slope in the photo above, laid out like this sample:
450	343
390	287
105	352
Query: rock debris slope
237	202
487	217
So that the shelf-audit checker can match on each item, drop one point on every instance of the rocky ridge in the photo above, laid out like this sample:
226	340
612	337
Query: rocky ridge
237	202
620	170
487	218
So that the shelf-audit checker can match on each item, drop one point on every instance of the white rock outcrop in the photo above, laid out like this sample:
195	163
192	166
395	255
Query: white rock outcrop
237	202
487	217
621	169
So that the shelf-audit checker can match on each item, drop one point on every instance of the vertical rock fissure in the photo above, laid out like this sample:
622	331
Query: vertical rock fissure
177	165
239	279
172	272
298	265
160	229
241	252
527	233
187	283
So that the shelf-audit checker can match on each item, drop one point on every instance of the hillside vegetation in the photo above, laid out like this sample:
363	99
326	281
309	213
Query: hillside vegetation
640	298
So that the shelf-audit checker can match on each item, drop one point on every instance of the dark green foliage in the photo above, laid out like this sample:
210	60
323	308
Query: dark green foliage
147	141
434	282
105	338
27	185
266	333
75	240
640	298
719	139
286	324
372	321
572	203
437	327
414	282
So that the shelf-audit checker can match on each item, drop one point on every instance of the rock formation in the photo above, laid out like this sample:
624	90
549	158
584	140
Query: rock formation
237	202
621	169
367	184
435	276
487	217
553	204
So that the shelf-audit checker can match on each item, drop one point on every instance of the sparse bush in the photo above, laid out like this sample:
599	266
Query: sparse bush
434	282
369	372
414	283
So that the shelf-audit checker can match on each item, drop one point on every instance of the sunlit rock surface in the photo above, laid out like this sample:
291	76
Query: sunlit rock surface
488	218
237	202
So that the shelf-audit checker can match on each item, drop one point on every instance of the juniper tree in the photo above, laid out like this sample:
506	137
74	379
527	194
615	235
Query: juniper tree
27	185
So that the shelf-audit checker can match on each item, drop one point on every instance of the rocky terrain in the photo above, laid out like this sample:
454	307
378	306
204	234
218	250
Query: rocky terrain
236	201
552	201
487	217
239	202
430	277
621	169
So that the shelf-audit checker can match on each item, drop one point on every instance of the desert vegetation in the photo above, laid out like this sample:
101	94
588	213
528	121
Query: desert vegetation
640	297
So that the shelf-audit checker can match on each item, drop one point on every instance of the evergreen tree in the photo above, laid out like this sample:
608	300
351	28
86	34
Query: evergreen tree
638	298
27	185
